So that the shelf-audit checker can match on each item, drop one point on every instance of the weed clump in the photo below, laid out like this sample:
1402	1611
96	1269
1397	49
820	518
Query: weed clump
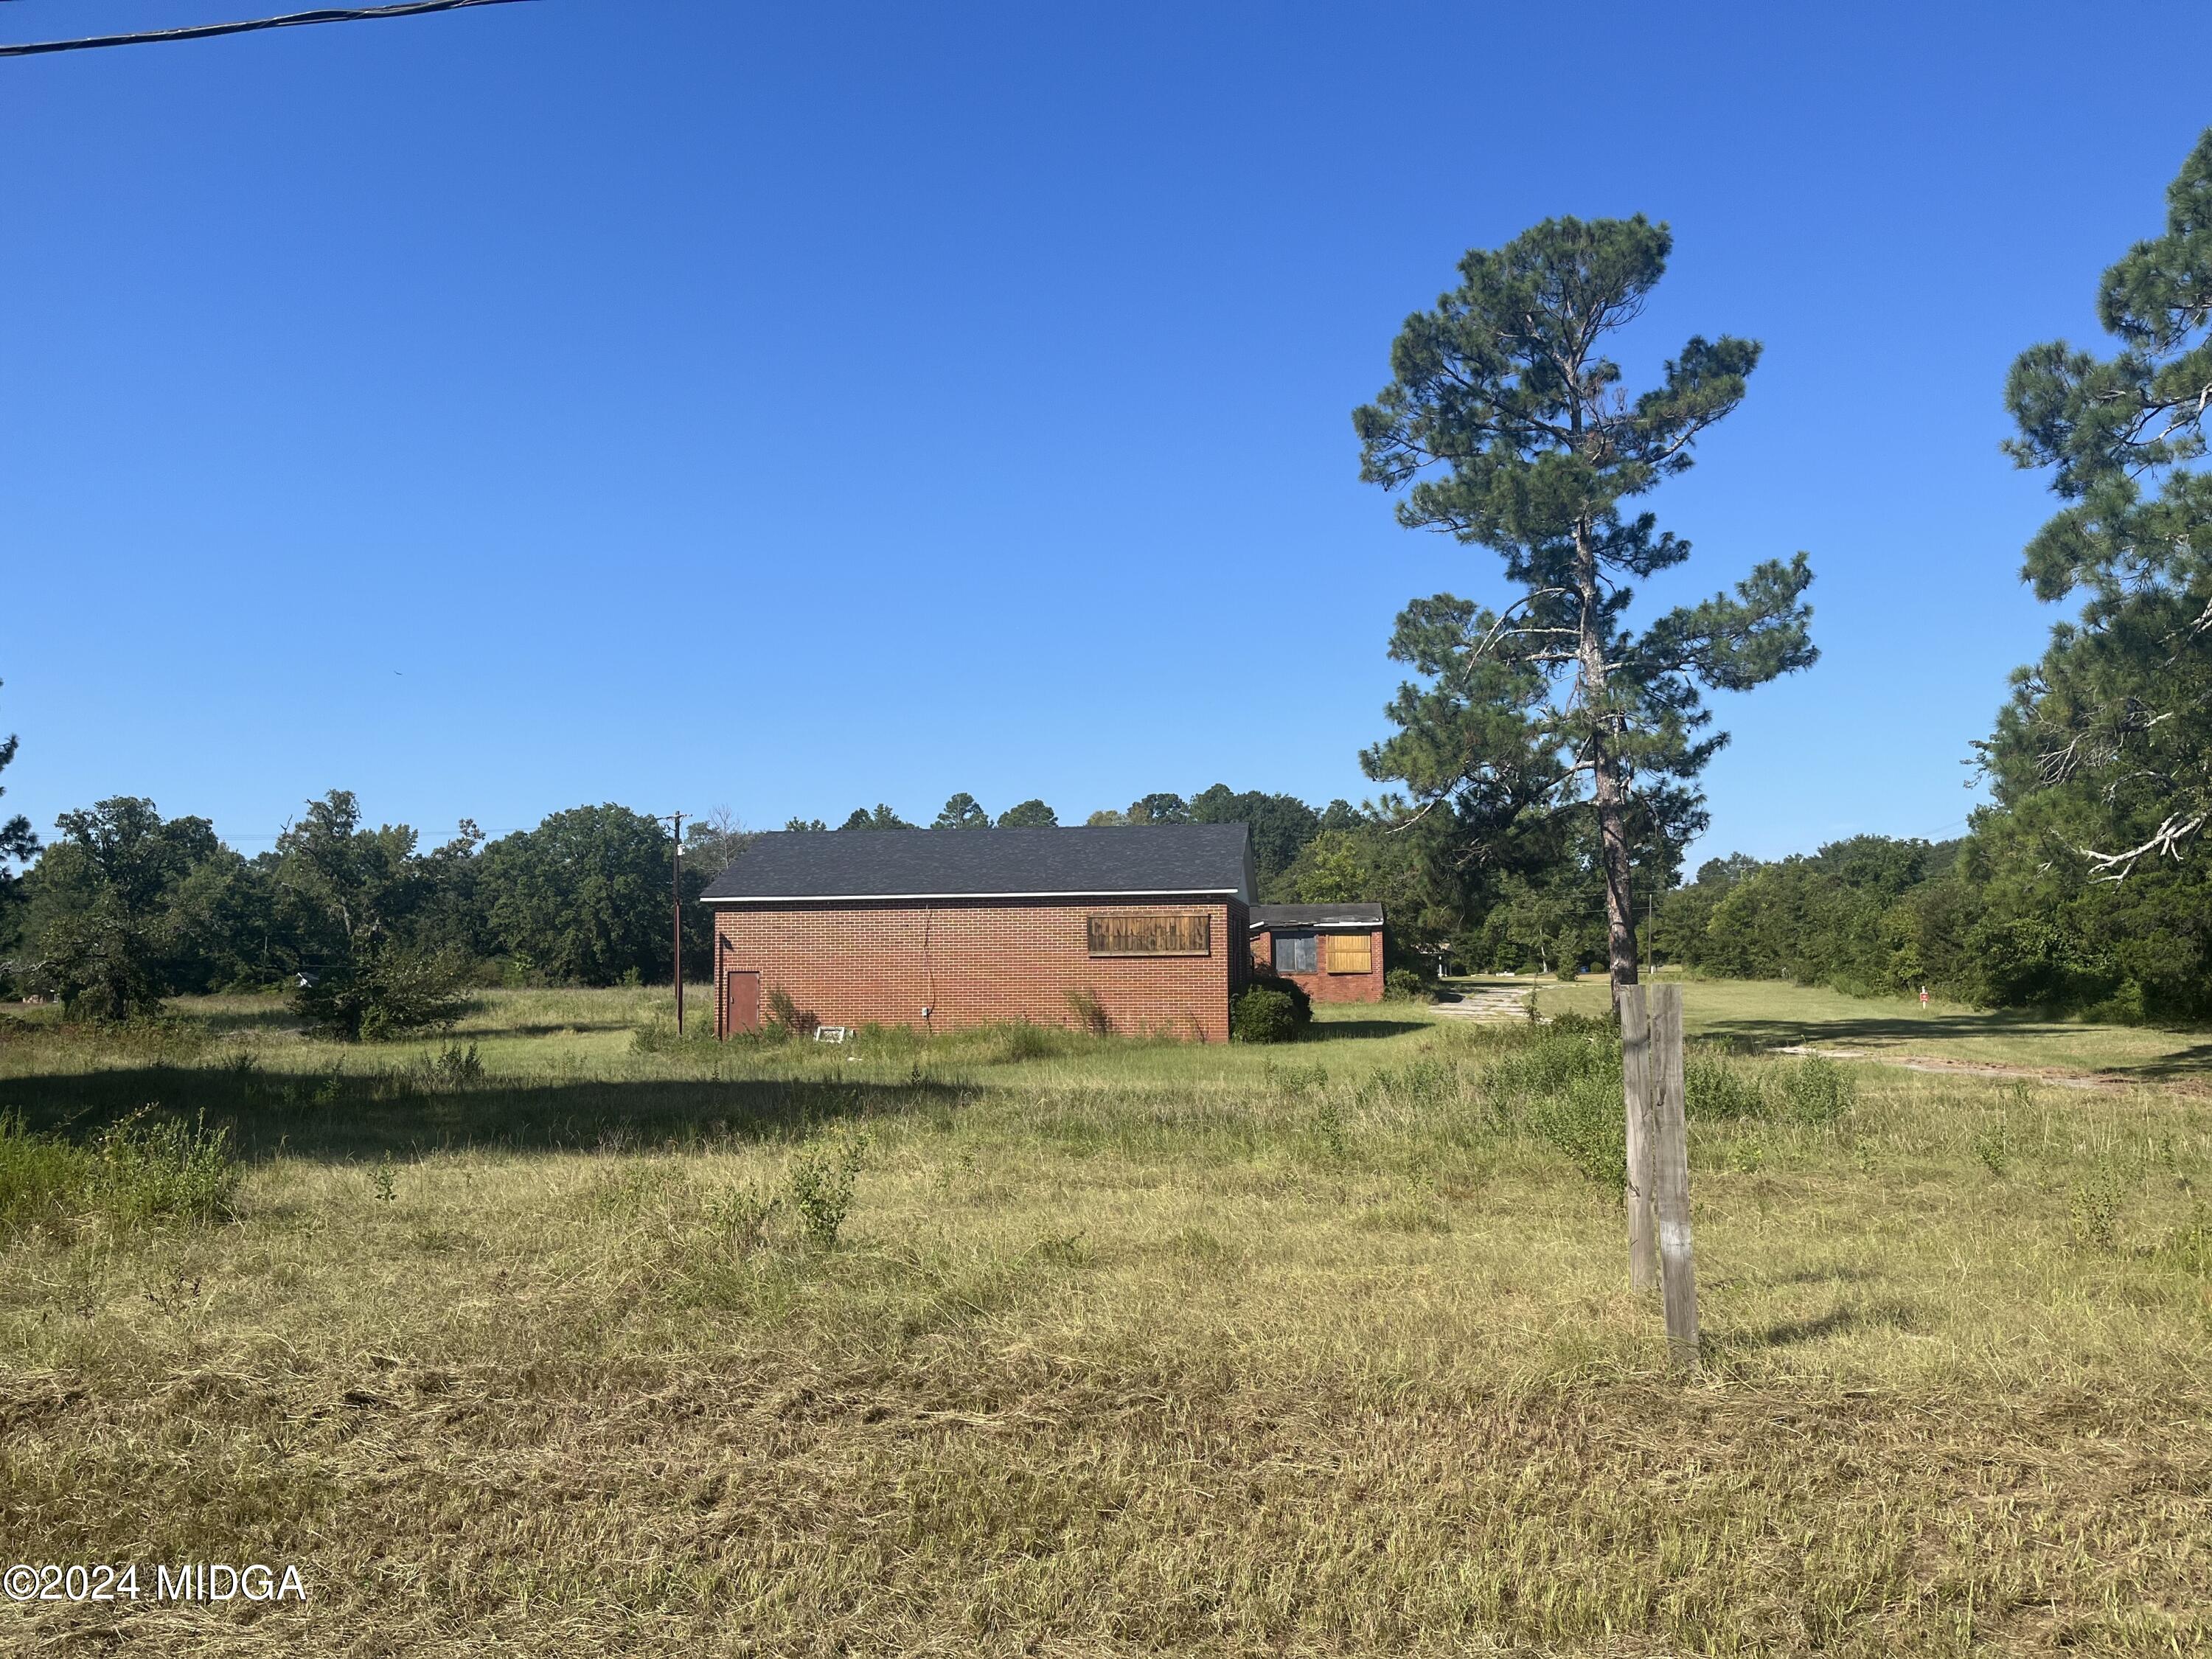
1812	1091
165	1169
1586	1122
1329	1125
1024	1040
1294	1080
1712	1087
2093	1211
1427	1082
1993	1146
658	1035
739	1217
41	1179
458	1065
822	1191
139	1170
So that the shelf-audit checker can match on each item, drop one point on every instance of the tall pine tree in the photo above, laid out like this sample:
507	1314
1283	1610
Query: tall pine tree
1505	424
2111	734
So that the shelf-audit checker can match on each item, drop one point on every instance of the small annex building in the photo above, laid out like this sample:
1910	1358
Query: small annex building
1136	929
1333	950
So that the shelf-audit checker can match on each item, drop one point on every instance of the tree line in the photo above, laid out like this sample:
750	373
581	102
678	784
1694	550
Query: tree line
372	933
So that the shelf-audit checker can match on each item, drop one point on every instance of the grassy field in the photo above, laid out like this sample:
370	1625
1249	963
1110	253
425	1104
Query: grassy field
1765	1014
1022	1343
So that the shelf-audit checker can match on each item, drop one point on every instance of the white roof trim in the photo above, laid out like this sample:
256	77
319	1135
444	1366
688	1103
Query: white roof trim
894	898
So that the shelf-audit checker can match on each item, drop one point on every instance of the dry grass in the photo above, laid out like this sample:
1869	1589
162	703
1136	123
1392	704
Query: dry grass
1120	1349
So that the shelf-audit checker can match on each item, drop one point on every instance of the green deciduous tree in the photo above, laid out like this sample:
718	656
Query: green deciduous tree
1424	891
585	895
1029	815
1505	423
1160	808
962	812
1281	825
1337	866
356	898
108	927
2115	723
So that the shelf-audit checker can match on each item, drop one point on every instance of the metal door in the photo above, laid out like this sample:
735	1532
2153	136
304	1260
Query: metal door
740	1001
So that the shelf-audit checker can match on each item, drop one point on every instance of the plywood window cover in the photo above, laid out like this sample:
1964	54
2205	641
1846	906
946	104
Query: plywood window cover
1192	935
1347	953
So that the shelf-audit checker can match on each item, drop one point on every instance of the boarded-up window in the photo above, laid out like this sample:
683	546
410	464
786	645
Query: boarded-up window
1348	953
1295	953
1143	934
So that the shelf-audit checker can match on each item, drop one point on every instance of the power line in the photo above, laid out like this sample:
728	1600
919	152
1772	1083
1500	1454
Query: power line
208	31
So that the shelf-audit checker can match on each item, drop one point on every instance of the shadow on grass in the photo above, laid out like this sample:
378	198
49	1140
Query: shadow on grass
1915	1027
1900	1027
342	1117
2192	1062
535	1028
1791	1332
1325	1031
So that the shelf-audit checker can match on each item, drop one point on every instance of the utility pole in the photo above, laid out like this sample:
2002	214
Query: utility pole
676	888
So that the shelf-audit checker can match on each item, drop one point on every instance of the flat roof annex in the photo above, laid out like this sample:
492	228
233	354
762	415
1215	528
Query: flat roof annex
1321	917
1166	861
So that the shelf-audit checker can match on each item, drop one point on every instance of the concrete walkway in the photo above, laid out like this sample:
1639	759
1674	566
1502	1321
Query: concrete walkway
1493	1005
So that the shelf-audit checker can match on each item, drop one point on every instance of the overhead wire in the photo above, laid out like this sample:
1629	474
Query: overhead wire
244	26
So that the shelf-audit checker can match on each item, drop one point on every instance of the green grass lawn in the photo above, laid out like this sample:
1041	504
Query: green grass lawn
1767	1014
1111	1348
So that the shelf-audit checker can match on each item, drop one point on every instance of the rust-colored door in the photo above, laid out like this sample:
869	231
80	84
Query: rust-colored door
740	1001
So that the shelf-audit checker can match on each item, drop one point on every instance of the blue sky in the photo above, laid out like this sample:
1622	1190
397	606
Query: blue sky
700	403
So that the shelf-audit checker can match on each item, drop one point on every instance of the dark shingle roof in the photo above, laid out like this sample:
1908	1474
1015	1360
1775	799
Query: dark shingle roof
830	863
1317	916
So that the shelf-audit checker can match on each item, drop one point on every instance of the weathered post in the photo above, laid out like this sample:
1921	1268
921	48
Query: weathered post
1670	1182
1636	1094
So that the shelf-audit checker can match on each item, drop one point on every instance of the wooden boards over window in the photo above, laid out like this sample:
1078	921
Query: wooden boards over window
1149	934
1347	953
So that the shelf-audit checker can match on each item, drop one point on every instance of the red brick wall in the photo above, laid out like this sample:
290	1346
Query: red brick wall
1330	987
976	963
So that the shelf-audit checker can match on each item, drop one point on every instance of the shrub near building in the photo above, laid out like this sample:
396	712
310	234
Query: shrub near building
1270	1010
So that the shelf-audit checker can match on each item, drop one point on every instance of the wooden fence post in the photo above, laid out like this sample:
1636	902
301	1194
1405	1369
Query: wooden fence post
1636	1094
1670	1162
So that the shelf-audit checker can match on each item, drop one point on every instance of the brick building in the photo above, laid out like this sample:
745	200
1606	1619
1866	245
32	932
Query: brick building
1137	930
1334	950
